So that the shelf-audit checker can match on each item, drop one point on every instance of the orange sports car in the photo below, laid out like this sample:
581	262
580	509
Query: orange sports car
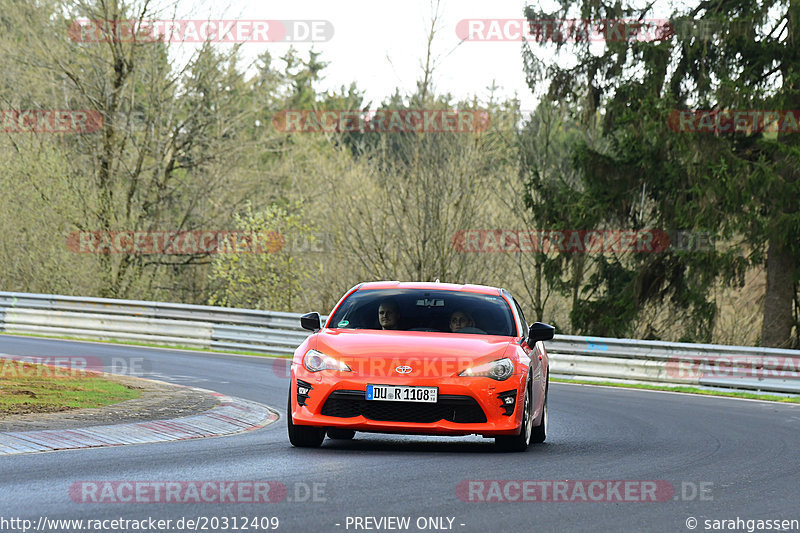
421	358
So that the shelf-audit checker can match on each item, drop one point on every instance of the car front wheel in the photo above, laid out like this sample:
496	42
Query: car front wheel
302	436
519	443
540	432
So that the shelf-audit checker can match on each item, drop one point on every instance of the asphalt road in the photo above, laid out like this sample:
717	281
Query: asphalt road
721	459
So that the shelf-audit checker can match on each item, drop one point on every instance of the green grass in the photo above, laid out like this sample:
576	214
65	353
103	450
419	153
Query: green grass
31	388
687	390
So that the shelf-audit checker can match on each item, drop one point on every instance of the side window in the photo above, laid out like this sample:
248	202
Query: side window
522	317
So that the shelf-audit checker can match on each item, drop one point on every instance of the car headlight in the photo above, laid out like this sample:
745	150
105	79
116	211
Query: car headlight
315	361
498	370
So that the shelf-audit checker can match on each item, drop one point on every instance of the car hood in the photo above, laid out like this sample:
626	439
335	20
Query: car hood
428	354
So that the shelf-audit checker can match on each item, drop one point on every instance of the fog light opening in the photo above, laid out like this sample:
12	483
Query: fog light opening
303	390
508	400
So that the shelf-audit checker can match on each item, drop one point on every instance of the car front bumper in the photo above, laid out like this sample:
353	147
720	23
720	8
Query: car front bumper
335	393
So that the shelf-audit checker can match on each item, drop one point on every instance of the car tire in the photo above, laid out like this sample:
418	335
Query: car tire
539	433
519	443
302	436
341	434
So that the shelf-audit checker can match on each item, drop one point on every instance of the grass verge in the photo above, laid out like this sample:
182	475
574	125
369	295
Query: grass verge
31	388
687	390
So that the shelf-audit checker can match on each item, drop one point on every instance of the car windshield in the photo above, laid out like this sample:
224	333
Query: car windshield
425	310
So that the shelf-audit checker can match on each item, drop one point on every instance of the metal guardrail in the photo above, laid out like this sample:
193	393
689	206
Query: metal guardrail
209	327
199	326
675	363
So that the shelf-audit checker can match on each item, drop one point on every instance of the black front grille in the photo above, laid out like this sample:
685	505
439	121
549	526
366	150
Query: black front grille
451	407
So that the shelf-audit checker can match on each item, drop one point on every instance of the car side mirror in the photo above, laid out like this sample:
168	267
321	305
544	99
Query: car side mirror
539	331
311	322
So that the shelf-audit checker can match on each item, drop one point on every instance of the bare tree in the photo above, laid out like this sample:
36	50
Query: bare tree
168	138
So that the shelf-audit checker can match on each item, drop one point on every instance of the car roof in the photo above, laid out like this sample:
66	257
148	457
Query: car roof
481	289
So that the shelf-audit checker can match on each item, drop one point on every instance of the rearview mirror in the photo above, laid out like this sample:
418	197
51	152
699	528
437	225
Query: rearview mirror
311	322
540	331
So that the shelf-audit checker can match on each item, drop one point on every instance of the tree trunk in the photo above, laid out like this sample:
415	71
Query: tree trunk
776	330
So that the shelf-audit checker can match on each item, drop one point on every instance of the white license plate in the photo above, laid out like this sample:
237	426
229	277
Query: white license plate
395	393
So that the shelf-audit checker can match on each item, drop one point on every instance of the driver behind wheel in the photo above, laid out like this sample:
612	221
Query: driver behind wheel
460	320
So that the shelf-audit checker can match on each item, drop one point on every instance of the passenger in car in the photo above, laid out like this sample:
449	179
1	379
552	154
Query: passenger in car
460	320
389	315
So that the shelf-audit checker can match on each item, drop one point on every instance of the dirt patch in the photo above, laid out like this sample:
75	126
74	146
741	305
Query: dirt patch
159	401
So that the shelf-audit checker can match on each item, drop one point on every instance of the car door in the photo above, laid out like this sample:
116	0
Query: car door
535	354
